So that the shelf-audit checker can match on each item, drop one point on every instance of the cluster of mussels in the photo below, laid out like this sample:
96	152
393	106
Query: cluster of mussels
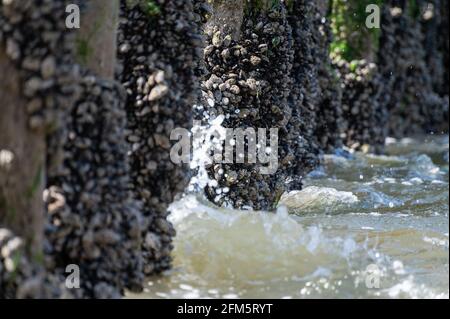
93	220
248	83
414	106
20	278
48	74
434	22
365	114
330	124
305	90
443	44
45	62
110	174
159	48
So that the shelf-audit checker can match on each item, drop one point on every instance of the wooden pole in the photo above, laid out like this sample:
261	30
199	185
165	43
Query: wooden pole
22	162
96	39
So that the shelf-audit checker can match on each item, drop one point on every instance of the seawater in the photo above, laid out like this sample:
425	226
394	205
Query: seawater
364	226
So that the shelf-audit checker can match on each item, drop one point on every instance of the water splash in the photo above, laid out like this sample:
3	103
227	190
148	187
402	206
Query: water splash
321	241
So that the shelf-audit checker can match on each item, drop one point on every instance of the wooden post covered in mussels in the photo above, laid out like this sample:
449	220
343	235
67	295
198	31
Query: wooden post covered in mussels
249	84
159	50
93	221
409	56
37	87
354	52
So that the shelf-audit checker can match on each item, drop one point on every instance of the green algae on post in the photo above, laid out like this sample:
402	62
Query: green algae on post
150	7
353	40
